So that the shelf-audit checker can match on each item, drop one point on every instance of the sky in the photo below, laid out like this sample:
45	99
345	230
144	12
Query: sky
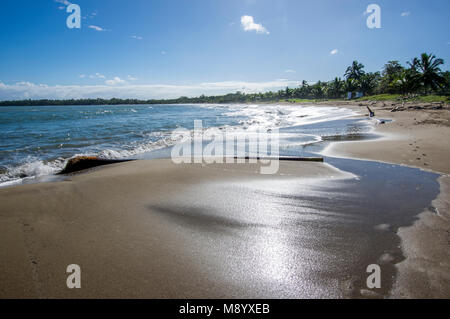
169	48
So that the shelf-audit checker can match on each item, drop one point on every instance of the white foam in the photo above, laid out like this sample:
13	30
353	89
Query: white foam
270	116
259	116
30	169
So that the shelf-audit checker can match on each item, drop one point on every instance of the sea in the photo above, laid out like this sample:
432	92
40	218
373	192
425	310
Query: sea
37	141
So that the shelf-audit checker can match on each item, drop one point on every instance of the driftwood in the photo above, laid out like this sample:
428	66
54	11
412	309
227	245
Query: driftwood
395	109
284	158
85	162
80	163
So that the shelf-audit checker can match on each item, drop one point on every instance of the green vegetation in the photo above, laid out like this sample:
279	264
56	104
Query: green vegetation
421	80
382	97
303	100
431	98
399	97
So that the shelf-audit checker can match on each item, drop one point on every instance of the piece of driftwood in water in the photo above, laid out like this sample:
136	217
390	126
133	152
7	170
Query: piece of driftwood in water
284	158
371	113
80	163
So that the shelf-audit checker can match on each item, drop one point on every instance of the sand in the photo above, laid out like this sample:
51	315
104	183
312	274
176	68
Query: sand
120	225
138	229
416	138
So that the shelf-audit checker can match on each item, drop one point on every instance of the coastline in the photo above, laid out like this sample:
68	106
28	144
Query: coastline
415	138
117	194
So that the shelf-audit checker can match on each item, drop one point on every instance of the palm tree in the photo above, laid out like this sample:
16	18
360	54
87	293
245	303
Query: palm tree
368	82
355	71
288	92
304	90
429	71
335	88
391	71
350	85
317	90
407	82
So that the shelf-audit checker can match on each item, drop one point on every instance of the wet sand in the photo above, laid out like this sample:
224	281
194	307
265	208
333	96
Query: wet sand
153	229
416	138
141	229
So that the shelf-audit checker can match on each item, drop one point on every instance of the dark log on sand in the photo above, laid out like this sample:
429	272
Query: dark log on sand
84	162
285	158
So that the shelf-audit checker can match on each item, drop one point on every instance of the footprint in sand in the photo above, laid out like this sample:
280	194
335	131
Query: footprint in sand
382	227
386	258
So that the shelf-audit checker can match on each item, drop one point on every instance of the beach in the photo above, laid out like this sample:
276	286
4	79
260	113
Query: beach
111	222
154	229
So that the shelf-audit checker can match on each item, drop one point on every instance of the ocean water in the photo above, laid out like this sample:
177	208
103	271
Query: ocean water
37	141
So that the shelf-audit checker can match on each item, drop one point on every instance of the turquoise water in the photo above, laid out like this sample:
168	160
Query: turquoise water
37	141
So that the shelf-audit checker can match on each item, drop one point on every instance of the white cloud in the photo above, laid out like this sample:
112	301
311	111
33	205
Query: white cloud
27	90
64	2
131	78
137	37
289	71
82	76
96	28
115	81
163	52
248	24
405	14
92	15
97	76
333	52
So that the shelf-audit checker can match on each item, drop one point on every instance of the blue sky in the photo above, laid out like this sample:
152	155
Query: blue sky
169	48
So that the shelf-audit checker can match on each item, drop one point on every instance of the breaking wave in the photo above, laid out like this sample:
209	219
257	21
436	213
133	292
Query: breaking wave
123	131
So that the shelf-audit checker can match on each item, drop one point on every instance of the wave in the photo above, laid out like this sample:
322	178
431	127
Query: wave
31	169
34	168
270	116
251	117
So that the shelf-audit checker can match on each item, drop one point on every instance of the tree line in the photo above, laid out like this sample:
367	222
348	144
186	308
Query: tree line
420	76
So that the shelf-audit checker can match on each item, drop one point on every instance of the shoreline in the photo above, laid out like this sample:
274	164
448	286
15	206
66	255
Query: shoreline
420	260
425	243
